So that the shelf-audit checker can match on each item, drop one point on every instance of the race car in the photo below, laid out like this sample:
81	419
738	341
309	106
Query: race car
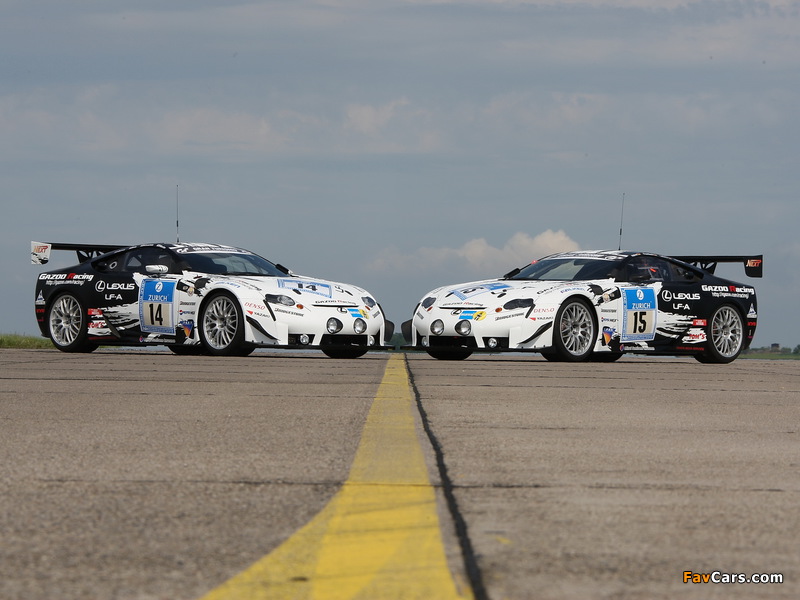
199	298
598	305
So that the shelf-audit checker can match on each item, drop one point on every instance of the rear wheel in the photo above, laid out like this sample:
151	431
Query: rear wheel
222	326
575	331
67	325
725	336
344	351
449	353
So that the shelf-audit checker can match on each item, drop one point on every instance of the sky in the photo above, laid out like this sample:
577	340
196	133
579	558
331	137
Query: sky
401	145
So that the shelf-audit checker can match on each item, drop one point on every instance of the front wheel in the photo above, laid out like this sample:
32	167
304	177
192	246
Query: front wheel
575	331
725	336
222	326
67	325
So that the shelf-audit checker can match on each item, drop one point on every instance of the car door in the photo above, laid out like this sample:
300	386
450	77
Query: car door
116	294
680	310
157	274
136	304
640	281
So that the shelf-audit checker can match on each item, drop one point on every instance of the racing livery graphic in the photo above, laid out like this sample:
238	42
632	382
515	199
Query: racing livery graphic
598	305
199	298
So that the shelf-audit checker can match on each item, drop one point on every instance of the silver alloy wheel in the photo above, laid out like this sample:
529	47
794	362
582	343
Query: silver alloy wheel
577	329
65	321
220	322
727	332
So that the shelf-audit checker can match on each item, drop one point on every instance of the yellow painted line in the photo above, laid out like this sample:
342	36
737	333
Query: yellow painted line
379	537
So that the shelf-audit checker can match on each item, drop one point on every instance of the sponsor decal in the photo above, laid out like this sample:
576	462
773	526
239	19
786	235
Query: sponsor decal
187	326
470	315
640	314
669	296
253	305
464	293
514	316
155	306
101	286
310	287
729	291
286	312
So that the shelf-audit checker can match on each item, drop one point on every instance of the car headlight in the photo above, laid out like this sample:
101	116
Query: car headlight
368	302
463	327
333	325
428	302
518	303
437	327
359	325
279	299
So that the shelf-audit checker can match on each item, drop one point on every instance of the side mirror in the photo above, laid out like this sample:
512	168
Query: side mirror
157	269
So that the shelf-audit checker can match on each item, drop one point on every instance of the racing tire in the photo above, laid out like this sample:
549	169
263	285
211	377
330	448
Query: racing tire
344	351
725	336
67	324
449	353
575	331
222	326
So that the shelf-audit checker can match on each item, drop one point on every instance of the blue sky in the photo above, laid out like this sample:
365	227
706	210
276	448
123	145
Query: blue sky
400	145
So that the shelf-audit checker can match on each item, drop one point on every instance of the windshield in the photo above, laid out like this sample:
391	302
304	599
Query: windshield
568	269
231	263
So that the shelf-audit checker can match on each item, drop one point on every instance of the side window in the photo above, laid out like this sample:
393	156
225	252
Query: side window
115	263
648	268
136	260
682	275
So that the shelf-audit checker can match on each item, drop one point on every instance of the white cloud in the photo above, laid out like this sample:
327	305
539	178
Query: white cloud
477	255
370	120
207	130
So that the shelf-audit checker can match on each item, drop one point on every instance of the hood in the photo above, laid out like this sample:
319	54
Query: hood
495	292
308	290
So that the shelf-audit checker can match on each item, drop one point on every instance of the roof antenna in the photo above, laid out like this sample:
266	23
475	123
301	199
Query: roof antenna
178	217
621	216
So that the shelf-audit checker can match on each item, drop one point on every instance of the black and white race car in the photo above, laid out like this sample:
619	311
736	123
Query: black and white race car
579	306
197	298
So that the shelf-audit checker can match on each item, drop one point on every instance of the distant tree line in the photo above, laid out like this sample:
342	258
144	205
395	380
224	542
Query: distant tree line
774	349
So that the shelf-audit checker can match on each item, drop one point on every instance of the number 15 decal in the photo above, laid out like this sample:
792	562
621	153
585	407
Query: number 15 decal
640	314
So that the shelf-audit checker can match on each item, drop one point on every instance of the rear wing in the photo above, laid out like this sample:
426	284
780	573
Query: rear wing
753	265
40	251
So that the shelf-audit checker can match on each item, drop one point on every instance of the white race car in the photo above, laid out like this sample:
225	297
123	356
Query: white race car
594	305
197	298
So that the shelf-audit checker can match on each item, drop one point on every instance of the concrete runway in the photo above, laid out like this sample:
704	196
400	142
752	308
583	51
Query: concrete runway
144	475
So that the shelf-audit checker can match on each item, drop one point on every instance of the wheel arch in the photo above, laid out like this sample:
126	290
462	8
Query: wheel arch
586	300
